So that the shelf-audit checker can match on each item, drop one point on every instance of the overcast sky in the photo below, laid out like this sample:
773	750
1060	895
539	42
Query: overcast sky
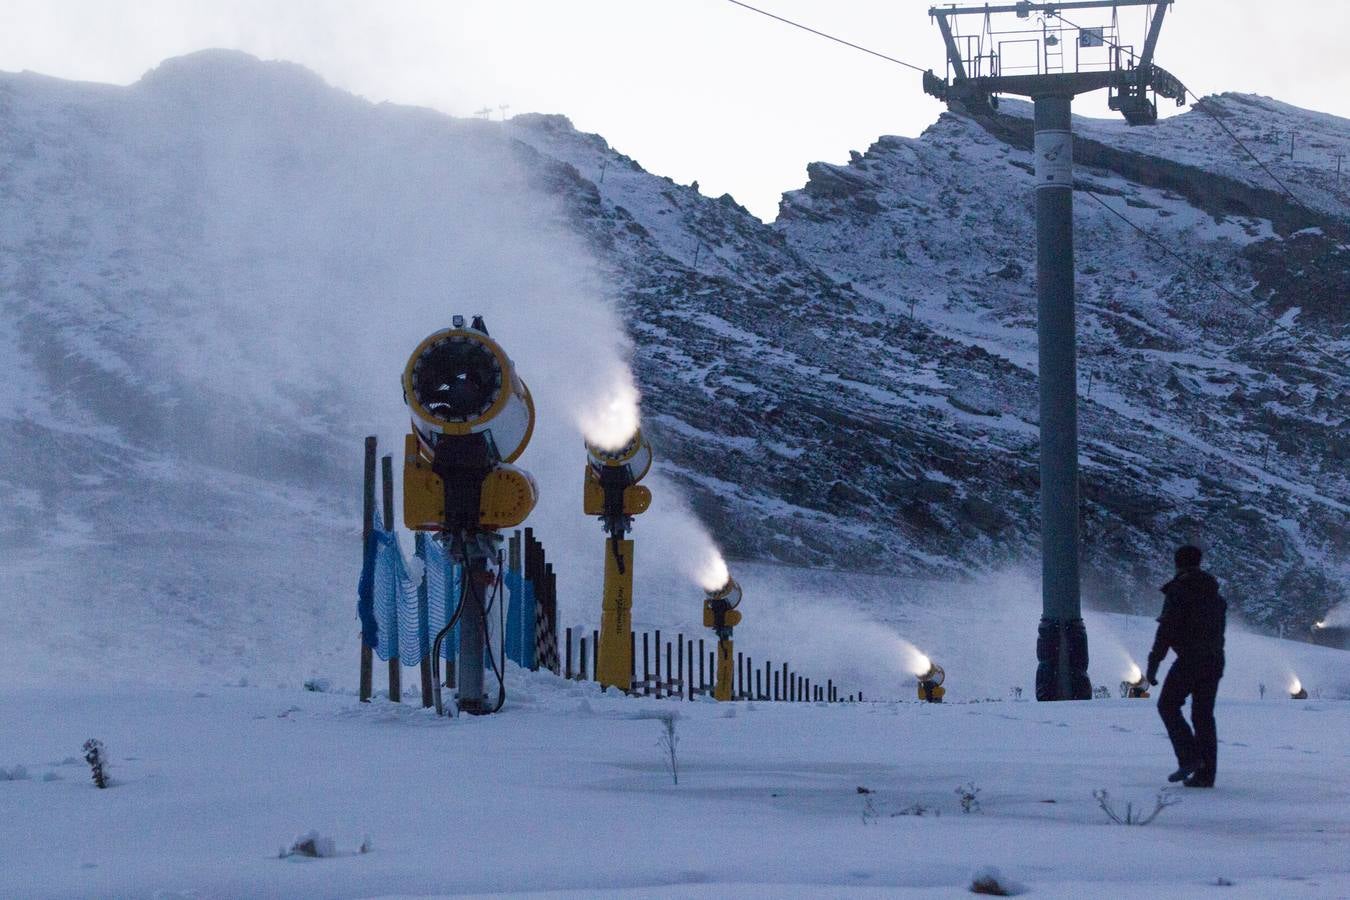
693	89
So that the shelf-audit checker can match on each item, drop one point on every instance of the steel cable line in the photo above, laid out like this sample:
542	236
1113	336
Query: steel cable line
828	37
1166	250
1200	105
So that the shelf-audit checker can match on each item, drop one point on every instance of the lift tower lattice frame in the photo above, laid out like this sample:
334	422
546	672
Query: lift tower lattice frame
980	66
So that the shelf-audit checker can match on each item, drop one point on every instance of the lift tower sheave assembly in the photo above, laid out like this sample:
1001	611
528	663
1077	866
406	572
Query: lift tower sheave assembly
472	416
611	492
1051	61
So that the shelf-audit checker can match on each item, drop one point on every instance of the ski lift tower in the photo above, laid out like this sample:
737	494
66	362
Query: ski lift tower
1038	54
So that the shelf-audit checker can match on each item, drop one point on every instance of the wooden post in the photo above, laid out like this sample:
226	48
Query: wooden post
773	690
387	482
768	667
712	670
367	527
646	664
584	670
759	685
702	685
567	670
782	695
670	681
829	690
658	663
632	664
689	670
595	655
740	677
679	660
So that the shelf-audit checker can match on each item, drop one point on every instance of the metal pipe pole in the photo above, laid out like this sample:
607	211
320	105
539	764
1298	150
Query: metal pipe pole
1061	646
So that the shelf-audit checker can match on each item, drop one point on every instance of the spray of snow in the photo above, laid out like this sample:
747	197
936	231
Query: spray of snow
609	419
1337	617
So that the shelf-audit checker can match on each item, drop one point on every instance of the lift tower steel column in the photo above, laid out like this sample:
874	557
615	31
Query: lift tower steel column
981	64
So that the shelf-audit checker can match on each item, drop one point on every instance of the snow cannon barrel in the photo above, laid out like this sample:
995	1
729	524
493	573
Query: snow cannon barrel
720	614
1297	691
459	381
930	683
472	415
719	608
611	490
1134	690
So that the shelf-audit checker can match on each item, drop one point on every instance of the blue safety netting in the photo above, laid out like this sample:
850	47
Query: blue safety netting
401	613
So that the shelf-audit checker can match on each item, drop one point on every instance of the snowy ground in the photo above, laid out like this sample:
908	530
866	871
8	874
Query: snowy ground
565	794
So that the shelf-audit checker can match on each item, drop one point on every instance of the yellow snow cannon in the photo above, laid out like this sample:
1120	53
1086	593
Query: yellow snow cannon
1135	686
930	683
1296	690
472	416
611	491
719	614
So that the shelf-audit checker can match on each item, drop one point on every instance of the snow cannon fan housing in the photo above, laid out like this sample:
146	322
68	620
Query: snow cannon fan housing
611	490
930	683
719	609
470	412
1134	690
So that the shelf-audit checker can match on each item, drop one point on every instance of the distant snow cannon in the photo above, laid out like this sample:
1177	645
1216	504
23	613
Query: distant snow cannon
611	492
1296	690
1134	686
472	416
930	681
719	614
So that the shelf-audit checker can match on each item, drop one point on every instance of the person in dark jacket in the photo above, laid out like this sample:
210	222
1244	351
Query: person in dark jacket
1191	624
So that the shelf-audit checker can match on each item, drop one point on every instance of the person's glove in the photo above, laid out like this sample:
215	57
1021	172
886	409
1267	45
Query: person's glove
1152	675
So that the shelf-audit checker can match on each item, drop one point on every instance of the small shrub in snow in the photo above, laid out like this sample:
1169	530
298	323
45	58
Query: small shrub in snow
669	741
991	882
98	764
13	773
969	795
1016	692
1132	816
1101	692
319	685
366	845
312	845
869	806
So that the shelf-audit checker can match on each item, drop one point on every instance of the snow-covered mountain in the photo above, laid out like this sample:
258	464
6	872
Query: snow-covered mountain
211	279
854	385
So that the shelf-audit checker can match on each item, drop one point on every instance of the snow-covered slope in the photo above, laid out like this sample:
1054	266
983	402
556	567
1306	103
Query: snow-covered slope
211	278
565	795
855	385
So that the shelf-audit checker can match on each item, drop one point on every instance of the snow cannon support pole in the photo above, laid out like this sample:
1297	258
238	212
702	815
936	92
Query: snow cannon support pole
614	653
367	528
1061	647
387	507
723	687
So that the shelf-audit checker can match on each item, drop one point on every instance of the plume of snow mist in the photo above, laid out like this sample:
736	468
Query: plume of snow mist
1337	617
712	573
609	417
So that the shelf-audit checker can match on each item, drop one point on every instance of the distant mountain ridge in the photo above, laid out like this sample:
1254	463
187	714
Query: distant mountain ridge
852	386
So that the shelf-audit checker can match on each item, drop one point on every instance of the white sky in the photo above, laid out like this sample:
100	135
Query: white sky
692	89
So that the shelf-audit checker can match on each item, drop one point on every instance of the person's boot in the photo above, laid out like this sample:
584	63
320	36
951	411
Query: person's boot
1200	779
1183	772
